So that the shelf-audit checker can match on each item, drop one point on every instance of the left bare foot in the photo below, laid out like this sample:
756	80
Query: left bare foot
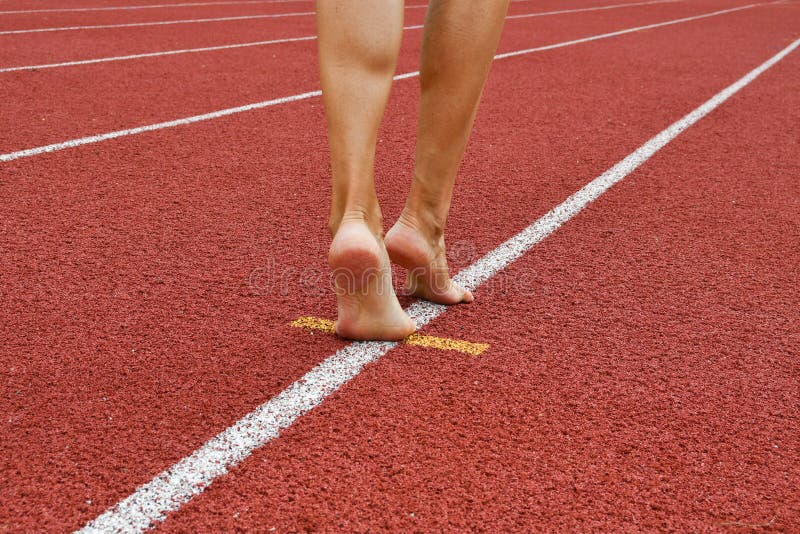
368	307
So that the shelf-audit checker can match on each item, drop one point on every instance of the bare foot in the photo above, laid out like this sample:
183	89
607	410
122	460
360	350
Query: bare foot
362	277
425	259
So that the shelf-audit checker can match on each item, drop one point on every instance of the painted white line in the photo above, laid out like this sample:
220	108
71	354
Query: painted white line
285	40
159	126
598	8
302	96
157	54
170	52
170	22
630	30
146	6
162	6
157	23
171	489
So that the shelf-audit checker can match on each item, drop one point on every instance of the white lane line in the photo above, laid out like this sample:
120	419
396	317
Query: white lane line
159	6
146	6
598	8
302	96
165	53
157	23
631	30
170	22
171	52
285	40
177	485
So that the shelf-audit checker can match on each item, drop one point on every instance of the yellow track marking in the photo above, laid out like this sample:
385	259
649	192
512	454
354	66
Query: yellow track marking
314	323
443	343
446	344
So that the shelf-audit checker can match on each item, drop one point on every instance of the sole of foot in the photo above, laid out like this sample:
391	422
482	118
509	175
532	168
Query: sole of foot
428	275
368	308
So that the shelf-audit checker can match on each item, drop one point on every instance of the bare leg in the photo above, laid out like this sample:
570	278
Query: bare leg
358	45
458	44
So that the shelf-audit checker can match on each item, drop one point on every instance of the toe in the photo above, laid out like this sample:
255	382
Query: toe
466	295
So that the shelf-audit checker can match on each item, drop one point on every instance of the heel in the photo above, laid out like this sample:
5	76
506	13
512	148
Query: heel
404	248
354	258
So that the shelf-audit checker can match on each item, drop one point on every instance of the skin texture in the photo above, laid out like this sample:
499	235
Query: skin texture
359	42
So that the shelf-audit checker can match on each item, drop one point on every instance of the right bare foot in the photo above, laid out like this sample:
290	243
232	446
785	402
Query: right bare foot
367	304
424	257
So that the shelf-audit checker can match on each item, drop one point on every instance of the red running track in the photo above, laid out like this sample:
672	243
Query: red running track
645	384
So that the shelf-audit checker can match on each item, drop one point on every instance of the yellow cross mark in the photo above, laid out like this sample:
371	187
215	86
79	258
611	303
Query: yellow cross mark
325	325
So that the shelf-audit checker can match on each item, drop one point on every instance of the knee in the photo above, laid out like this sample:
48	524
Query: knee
380	63
374	57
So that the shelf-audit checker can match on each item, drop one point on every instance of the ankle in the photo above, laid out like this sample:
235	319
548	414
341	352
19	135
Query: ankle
371	217
424	222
